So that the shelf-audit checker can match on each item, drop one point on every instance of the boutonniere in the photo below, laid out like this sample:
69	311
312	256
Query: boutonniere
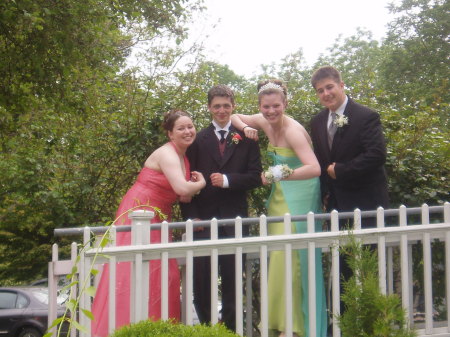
235	138
340	121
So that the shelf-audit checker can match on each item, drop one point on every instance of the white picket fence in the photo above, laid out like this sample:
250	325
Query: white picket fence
391	241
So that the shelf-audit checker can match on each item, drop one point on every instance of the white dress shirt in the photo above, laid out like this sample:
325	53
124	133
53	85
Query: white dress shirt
339	111
217	128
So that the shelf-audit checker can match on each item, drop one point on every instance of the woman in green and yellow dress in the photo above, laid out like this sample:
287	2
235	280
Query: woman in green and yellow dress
296	192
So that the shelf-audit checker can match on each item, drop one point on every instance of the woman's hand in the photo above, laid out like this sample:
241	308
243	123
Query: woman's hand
250	132
264	180
198	177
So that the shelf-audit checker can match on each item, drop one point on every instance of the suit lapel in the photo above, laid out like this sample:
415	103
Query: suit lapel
323	133
211	144
341	130
229	147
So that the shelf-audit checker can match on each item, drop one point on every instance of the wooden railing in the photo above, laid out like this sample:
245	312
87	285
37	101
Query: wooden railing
407	227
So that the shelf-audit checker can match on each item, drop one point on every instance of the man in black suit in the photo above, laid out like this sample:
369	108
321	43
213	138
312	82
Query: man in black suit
233	164
349	144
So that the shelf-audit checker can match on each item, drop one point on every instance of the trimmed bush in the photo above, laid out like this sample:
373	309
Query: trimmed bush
172	329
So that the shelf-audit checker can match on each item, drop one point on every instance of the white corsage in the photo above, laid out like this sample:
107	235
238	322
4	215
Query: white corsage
277	172
340	121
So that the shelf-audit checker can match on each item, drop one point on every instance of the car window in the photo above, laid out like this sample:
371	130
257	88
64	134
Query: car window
12	300
7	300
22	302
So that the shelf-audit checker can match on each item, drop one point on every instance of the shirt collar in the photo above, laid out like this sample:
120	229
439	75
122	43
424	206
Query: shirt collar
217	127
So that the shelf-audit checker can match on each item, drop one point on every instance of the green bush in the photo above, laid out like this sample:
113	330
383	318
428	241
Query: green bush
368	312
172	329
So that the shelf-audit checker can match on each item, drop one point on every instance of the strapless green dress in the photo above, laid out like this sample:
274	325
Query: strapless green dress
295	197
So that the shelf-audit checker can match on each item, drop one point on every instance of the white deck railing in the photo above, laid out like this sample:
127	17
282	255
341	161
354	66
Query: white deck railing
390	241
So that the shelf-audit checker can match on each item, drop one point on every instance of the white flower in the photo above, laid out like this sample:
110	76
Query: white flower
340	121
277	172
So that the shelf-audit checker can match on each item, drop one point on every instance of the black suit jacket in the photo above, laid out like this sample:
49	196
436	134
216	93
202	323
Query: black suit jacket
241	163
359	151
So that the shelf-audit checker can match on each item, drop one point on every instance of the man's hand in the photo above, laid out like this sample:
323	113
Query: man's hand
330	171
216	179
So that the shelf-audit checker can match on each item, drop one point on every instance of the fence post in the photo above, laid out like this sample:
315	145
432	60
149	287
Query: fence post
140	219
263	277
312	298
238	278
248	298
112	284
85	282
165	273
52	288
288	275
189	268
335	275
381	252
404	265
214	273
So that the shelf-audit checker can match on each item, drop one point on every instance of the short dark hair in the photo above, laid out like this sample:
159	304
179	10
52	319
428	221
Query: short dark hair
325	72
171	117
220	90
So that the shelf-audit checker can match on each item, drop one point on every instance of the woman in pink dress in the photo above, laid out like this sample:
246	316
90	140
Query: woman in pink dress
163	180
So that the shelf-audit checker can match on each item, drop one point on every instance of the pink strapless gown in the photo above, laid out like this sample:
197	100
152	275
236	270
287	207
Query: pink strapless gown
151	188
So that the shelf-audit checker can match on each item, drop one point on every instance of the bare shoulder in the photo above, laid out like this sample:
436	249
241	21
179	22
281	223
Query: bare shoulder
295	132
292	126
163	153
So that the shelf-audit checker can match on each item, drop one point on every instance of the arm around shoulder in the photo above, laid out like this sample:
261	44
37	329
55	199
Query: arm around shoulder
170	165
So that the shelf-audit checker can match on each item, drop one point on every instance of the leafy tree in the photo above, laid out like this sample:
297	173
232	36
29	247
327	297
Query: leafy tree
357	57
74	130
416	64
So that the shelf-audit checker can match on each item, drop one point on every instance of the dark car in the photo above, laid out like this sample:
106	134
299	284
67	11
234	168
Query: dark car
24	311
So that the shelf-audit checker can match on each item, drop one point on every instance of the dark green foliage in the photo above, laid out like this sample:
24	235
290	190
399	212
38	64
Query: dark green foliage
416	65
73	130
418	152
368	312
171	329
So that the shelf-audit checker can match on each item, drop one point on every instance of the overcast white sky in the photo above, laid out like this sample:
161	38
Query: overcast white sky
254	32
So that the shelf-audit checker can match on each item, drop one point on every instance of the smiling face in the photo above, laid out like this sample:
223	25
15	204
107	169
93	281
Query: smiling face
183	132
331	93
221	108
272	106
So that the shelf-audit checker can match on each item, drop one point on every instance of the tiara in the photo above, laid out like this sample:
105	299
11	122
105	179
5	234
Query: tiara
270	85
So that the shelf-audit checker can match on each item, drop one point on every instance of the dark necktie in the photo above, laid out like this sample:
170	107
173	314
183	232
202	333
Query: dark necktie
332	129
222	136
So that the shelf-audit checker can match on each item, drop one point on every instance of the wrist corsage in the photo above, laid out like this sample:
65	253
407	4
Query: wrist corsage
277	172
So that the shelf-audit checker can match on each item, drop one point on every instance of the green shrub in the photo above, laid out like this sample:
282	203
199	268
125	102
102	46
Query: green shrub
172	329
368	312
